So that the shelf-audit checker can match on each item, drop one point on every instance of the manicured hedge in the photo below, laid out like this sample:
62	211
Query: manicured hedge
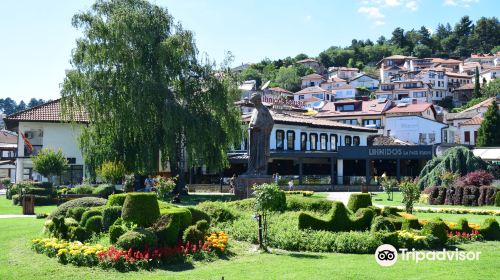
116	199
182	215
490	229
115	231
218	211
110	215
104	190
410	223
462	226
76	213
438	229
94	224
195	233
137	239
40	191
297	203
497	199
167	230
198	215
359	200
86	202
79	233
381	223
88	214
141	208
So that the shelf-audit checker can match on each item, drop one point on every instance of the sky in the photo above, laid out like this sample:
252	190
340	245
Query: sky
36	37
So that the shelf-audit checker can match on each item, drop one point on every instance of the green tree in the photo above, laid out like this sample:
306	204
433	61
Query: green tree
422	51
147	93
381	40
251	73
477	85
268	199
398	38
488	134
485	34
111	172
288	78
49	162
21	106
491	88
410	193
9	106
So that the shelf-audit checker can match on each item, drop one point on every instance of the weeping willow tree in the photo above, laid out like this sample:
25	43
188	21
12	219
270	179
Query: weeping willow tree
458	160
148	95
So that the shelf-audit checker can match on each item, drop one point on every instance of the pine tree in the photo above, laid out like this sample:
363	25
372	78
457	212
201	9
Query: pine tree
477	86
488	134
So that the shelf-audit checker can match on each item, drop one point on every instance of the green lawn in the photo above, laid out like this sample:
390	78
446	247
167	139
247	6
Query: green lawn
6	207
381	199
17	261
471	218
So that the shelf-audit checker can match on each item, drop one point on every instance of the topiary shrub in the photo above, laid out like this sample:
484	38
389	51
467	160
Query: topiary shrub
104	190
88	214
115	231
183	216
196	233
58	228
85	202
94	224
410	223
359	200
137	239
438	229
141	209
362	219
110	215
490	229
76	213
382	224
388	211
298	203
487	195
376	210
462	226
218	211
437	195
79	233
470	196
167	230
198	215
497	199
338	221
116	199
70	222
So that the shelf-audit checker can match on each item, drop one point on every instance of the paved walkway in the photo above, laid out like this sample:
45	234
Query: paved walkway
340	196
8	216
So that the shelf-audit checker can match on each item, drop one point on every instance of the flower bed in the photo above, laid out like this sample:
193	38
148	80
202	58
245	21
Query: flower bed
456	237
303	193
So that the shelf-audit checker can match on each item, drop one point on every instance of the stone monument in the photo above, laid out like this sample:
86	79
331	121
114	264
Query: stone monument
259	131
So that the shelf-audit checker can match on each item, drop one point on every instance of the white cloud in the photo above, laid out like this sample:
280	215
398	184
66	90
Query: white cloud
379	22
412	5
450	3
372	12
460	3
392	3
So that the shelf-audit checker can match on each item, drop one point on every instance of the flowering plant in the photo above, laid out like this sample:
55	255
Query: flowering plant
455	237
80	254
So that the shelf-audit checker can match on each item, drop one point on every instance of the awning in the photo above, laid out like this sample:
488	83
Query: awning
489	154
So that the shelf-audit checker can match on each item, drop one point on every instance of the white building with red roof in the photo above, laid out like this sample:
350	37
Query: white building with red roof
312	80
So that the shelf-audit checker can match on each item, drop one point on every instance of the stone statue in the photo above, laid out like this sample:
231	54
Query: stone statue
259	129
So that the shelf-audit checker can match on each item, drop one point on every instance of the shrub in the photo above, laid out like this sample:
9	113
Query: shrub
70	222
164	187
477	178
497	199
39	191
86	202
424	198
362	219
462	226
470	195
82	189
49	162
247	205
104	190
388	210
167	230
58	228
198	215
410	223
111	172
382	224
116	199
94	224
218	211
487	195
339	220
15	200
182	215
88	214
115	231
438	229
436	195
387	237
110	215
76	213
141	208
269	197
297	203
195	233
137	240
490	229
79	233
410	193
359	200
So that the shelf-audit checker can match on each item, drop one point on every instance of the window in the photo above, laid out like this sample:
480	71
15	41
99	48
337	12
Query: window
280	137
318	95
333	142
422	138
355	141
419	94
301	97
314	141
351	121
323	141
348	140
311	84
345	107
73	174
290	140
466	136
303	141
376	122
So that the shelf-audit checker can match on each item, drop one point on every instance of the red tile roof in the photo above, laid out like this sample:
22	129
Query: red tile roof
307	60
314	89
473	121
312	76
410	108
281	90
47	112
314	122
368	108
485	103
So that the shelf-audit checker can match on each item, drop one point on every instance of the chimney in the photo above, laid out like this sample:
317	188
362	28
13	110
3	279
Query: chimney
414	101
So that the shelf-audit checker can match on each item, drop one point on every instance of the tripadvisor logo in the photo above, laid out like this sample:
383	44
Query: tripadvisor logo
387	255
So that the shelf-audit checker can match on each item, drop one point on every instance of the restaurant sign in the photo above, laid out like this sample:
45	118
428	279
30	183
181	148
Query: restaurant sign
385	152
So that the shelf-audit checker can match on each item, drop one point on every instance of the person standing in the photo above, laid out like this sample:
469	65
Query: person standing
290	185
149	183
232	182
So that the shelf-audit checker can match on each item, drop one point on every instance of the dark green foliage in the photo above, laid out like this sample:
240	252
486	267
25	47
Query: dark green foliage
497	199
410	223
359	200
247	205
462	226
456	160
488	134
382	224
388	210
58	228
487	195
49	162
396	220
141	208
376	210
218	211
198	215
182	215
104	190
167	230
137	239
94	224
88	214
269	197
70	222
76	213
195	233
116	199
79	233
438	229
490	229
300	203
362	219
80	202
39	191
82	189
115	231
388	237
477	85
15	199
110	215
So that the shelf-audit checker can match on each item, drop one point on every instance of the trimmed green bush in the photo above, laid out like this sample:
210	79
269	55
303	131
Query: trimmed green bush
362	219
70	222
141	209
198	215
410	223
88	214
104	190
388	237
438	229
40	191
116	199
497	199
218	211
110	215
338	221
378	211
78	233
82	189
137	239
244	204
388	210
196	233
298	203
76	213
490	229
115	231
86	202
94	224
462	225
183	216
396	220
167	230
382	224
58	228
359	200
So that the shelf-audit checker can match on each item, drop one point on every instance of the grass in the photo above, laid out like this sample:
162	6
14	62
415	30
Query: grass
471	218
17	261
193	198
381	199
6	207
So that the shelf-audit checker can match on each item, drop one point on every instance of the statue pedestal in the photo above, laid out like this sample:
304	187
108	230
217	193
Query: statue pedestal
245	183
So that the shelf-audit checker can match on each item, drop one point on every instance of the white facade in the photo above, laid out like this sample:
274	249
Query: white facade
414	129
311	82
489	75
365	81
344	93
468	134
